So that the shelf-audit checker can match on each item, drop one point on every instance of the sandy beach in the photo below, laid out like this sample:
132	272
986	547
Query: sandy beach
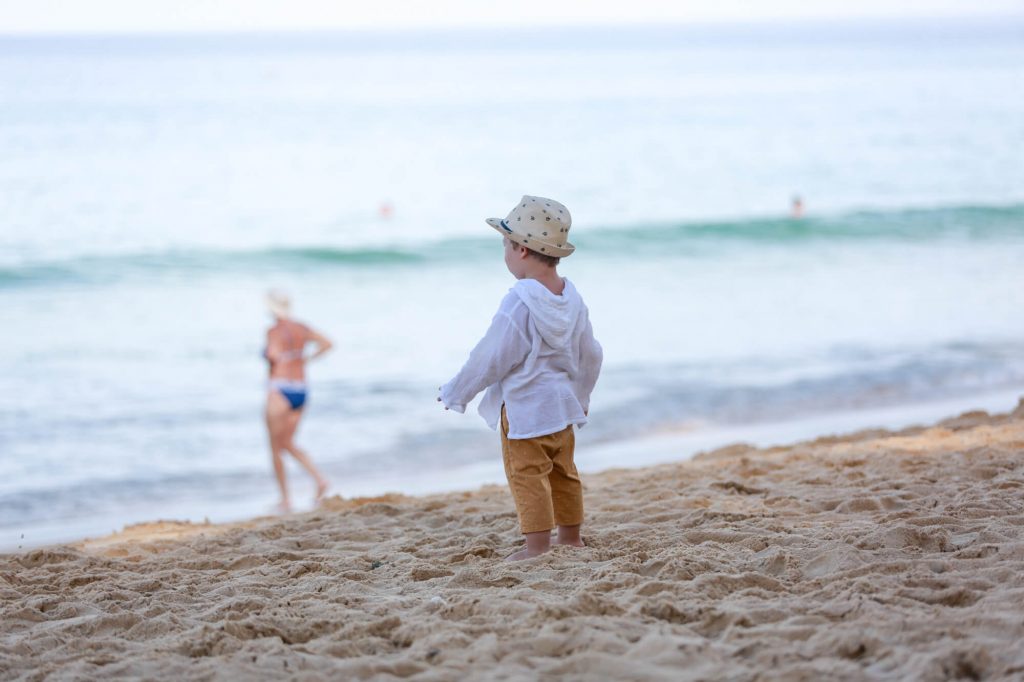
874	555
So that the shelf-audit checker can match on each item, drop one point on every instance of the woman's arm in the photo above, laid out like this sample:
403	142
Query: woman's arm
323	344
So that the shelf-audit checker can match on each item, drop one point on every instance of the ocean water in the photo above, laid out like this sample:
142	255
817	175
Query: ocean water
152	188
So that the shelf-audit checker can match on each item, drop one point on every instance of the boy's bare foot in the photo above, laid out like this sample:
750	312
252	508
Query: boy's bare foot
281	508
524	553
576	543
536	544
569	536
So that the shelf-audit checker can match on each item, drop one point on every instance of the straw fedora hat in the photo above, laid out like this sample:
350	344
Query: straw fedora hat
278	303
539	224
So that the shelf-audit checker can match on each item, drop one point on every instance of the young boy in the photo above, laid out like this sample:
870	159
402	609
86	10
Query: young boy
539	362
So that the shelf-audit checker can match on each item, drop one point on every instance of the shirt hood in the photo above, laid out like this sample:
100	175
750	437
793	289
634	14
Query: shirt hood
555	316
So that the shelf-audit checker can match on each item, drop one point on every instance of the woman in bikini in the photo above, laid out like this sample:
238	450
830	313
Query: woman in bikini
286	393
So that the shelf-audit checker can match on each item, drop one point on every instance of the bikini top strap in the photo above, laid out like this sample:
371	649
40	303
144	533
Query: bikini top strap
291	350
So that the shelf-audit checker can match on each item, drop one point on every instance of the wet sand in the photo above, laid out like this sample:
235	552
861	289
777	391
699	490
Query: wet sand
875	555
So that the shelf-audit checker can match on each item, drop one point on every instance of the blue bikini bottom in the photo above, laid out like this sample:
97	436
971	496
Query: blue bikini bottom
293	391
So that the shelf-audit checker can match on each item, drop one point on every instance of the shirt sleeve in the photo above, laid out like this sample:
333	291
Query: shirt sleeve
591	357
502	348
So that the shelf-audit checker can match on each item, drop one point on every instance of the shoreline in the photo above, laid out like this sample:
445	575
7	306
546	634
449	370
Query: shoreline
659	448
760	438
876	554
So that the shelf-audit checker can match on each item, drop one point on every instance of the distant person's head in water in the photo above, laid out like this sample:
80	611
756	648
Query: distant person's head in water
279	304
796	209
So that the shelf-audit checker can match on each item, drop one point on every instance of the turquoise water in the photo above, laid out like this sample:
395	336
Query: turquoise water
152	188
967	224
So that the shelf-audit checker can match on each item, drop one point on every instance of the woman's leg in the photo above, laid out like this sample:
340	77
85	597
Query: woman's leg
300	455
277	427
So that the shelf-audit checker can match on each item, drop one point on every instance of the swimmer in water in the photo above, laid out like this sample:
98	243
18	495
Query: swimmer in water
796	209
286	390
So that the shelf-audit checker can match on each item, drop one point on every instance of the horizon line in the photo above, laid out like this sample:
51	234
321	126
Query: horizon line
851	22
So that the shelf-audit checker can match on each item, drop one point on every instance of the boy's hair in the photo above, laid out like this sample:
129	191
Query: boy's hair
550	261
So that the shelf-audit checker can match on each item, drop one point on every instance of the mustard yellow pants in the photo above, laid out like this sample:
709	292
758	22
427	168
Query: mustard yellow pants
542	476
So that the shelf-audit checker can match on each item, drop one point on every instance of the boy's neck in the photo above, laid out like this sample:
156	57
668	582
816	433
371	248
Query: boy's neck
548	276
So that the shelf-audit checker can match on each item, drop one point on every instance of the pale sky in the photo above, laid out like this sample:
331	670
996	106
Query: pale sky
30	16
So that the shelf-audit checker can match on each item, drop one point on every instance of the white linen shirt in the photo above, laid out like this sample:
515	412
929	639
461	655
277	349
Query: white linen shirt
539	358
